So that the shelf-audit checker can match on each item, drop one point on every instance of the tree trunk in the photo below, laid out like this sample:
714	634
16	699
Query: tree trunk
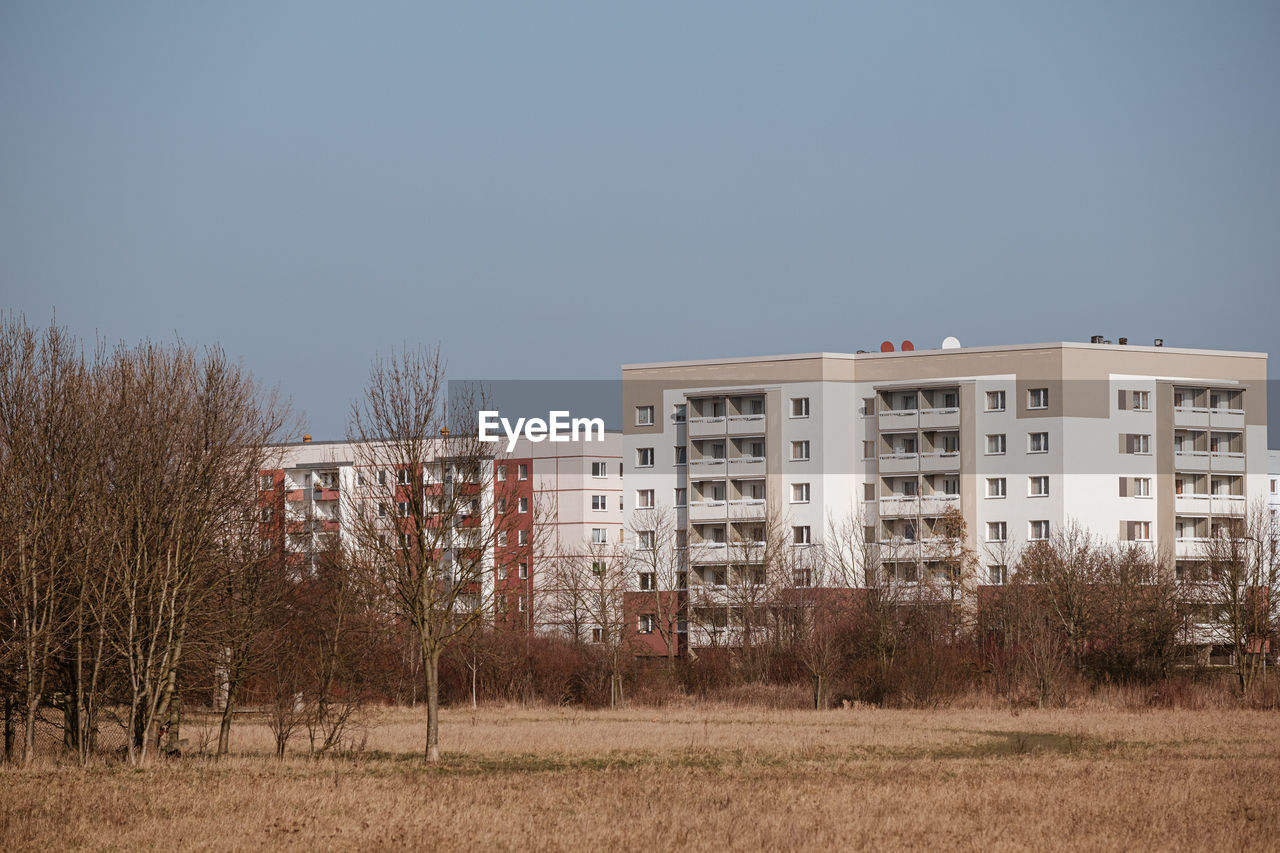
432	664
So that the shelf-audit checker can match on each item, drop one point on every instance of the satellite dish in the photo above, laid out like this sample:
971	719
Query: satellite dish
950	342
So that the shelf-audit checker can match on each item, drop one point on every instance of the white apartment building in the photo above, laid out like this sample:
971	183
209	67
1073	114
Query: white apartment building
558	498
1148	444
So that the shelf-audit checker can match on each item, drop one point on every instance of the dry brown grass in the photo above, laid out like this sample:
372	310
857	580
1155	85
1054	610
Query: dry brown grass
701	778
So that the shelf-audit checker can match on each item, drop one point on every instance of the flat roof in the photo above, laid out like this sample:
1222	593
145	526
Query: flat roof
943	352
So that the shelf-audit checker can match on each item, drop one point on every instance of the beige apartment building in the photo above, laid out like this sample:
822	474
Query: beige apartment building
1148	444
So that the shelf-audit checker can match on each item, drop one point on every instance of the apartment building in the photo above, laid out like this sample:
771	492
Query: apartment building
1147	444
550	500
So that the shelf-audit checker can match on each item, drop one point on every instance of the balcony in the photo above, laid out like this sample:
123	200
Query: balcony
707	552
938	504
746	424
322	494
1191	416
1229	462
1191	504
947	460
899	463
746	465
896	506
940	418
894	420
705	463
1228	504
746	509
1191	460
1226	418
707	510
705	426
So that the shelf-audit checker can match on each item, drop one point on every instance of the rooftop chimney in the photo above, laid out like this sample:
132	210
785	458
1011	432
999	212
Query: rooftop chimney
1096	339
1159	342
1124	342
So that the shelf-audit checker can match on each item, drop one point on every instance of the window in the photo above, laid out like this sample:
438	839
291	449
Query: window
995	487
599	469
799	451
1038	442
1039	487
501	505
522	537
1038	398
1140	444
382	510
524	505
597	635
598	536
1140	531
644	498
644	540
799	407
599	503
996	574
755	449
645	623
868	491
997	531
1140	401
868	406
502	539
681	497
382	478
402	476
868	450
682	454
644	457
522	603
800	535
523	571
502	473
522	473
266	513
646	582
995	444
1039	531
679	414
644	415
361	479
266	482
995	401
1142	487
402	508
1273	487
799	493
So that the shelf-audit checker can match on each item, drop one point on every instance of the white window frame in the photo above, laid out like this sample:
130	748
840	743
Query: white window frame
1002	442
641	454
997	527
522	537
1031	442
1142	487
1035	480
599	503
681	454
1034	526
644	415
644	499
522	473
1032	393
997	487
800	493
799	407
681	496
995	401
800	450
599	470
599	536
523	505
801	534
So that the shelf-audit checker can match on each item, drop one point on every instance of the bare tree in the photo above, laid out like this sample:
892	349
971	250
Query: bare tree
46	467
425	528
658	560
1241	584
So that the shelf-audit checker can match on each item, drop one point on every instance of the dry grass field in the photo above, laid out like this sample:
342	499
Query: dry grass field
692	778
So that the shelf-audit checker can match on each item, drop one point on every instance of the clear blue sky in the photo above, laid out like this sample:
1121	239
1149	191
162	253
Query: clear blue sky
552	189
